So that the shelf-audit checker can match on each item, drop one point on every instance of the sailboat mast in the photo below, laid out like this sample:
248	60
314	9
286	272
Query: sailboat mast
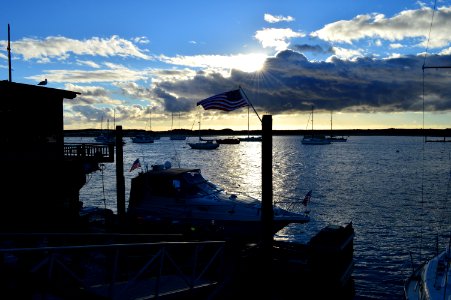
172	121
330	123
312	119
248	121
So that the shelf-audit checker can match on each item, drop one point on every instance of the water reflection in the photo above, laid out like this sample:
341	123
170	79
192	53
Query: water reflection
394	191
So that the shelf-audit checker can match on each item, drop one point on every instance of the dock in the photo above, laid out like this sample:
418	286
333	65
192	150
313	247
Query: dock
146	266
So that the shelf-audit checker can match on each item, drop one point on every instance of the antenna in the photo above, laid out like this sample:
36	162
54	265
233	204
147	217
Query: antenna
9	53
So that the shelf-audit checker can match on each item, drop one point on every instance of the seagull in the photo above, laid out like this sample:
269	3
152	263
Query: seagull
44	82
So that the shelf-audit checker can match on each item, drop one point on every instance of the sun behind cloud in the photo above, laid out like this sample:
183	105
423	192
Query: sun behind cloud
252	62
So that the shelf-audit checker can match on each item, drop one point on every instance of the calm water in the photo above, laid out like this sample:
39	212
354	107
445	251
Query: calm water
395	191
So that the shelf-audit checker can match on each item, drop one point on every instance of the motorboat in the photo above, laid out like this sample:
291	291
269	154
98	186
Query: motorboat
430	280
166	198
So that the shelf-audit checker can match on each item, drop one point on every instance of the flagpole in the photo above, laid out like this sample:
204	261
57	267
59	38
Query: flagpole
250	103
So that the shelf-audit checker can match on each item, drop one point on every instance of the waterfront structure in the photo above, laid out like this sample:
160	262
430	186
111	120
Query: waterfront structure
41	176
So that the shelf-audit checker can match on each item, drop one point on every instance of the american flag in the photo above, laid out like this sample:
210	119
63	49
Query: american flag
307	198
227	101
136	164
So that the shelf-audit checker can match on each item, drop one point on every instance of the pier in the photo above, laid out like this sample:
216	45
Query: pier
89	152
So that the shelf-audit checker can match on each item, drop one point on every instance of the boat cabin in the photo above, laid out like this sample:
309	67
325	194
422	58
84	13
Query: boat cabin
182	182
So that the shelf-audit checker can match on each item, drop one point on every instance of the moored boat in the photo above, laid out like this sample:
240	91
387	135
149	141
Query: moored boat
205	145
181	198
315	140
228	141
142	139
430	280
334	139
251	139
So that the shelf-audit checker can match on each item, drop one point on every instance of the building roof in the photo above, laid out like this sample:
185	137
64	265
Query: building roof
14	88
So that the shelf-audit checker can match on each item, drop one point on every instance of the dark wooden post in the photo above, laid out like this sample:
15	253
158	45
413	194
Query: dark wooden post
120	181
267	192
267	207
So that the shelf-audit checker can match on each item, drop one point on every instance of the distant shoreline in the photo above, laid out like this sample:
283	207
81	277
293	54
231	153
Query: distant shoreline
229	132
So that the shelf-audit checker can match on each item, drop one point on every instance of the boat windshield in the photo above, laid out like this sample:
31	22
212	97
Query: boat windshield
198	185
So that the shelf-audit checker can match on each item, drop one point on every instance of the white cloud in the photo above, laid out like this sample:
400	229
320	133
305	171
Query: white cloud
275	19
83	76
59	47
406	24
345	54
88	63
141	40
396	46
244	62
277	38
172	75
446	51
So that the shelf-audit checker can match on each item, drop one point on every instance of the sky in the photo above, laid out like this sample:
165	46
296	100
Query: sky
144	64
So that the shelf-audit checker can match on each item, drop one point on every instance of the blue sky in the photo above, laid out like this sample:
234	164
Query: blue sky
358	60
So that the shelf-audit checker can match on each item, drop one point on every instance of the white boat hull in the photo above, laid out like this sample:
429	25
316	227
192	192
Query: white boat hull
196	204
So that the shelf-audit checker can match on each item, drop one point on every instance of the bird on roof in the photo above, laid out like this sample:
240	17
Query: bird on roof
44	82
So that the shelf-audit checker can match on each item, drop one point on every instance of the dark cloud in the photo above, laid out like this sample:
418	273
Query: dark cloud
291	83
172	103
312	48
89	112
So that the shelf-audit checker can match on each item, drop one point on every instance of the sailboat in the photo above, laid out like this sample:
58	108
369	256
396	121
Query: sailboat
107	136
315	139
250	138
334	138
431	279
176	137
146	137
203	144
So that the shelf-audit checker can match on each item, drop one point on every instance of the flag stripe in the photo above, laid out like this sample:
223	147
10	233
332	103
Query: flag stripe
227	101
136	164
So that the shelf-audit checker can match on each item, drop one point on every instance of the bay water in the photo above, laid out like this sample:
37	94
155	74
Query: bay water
394	189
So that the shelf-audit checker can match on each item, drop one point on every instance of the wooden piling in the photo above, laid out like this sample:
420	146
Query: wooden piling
120	180
267	191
